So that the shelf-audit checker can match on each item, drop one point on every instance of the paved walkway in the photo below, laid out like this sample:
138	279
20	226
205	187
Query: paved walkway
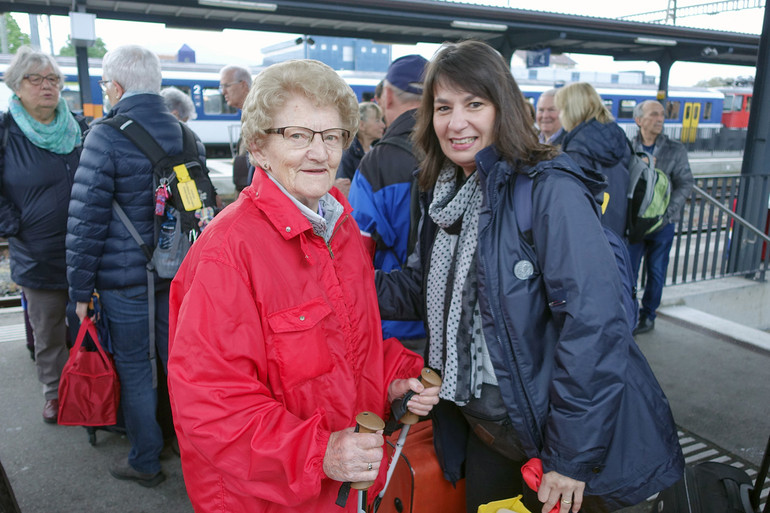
719	393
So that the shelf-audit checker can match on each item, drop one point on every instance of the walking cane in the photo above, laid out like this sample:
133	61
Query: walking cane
429	379
366	422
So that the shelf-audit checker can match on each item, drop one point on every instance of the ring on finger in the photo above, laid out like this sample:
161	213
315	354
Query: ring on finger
565	501
369	467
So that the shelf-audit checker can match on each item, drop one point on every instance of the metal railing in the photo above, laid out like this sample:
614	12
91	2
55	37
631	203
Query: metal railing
710	235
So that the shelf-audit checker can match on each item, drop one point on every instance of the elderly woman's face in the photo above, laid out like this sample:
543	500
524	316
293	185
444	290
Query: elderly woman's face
305	166
40	99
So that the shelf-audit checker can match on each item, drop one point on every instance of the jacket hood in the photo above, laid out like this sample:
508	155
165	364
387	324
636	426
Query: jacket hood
488	159
604	142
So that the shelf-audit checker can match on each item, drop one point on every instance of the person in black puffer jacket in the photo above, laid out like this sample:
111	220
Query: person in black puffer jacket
41	144
102	255
596	142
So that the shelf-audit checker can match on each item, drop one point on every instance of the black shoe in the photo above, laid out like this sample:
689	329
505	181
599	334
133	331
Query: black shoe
645	324
122	469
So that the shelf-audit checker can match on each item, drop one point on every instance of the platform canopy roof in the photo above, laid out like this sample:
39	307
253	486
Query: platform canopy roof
429	21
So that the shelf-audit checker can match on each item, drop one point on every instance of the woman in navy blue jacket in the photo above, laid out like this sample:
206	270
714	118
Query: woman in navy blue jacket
527	329
41	147
595	141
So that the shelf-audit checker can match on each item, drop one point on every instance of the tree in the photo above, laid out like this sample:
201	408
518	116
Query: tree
16	38
98	49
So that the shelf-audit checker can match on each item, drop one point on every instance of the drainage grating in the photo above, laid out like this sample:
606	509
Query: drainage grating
697	450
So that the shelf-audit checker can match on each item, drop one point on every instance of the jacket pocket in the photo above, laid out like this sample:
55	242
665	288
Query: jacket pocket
299	341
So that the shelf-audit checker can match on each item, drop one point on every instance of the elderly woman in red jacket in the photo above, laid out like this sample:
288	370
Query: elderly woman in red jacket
274	344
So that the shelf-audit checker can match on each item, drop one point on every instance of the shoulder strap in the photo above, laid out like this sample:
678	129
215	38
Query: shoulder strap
134	132
6	126
132	230
522	204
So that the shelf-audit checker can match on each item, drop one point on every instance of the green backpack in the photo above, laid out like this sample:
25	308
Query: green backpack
649	192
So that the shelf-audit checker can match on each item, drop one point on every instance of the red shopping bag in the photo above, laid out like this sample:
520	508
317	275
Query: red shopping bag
89	390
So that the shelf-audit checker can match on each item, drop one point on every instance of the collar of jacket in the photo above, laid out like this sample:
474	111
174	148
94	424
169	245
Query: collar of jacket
285	217
402	125
143	100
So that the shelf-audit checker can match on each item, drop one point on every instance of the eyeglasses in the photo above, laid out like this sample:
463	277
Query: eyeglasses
36	79
222	87
300	137
103	84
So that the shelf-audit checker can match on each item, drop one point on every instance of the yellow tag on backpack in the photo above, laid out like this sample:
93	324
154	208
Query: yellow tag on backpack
188	191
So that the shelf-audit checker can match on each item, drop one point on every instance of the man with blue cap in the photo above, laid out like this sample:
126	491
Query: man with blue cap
382	187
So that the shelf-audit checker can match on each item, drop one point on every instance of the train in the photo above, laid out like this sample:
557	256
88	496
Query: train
702	118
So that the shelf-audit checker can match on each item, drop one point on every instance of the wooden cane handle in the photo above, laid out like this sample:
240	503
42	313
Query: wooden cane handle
367	422
429	379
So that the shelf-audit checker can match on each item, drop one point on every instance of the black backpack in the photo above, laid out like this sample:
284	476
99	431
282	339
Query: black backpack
191	200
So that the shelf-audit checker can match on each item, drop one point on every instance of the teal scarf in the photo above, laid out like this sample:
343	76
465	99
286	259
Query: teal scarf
59	136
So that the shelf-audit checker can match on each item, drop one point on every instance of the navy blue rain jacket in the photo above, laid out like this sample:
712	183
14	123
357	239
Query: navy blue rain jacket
101	253
35	196
603	147
579	391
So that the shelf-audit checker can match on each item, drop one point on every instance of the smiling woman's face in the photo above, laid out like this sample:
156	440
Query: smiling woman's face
306	173
464	125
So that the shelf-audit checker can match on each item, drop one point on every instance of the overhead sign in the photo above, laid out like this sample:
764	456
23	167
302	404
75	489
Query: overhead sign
538	58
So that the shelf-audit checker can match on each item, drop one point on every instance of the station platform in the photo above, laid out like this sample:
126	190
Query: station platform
717	382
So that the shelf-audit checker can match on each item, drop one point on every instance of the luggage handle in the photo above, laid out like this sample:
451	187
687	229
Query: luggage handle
755	494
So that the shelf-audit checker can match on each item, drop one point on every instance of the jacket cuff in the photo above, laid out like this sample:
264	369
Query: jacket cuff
580	471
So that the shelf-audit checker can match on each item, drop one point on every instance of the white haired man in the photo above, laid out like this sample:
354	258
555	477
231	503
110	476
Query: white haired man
101	253
670	157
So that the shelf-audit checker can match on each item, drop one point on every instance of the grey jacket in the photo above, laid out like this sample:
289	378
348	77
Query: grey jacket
671	158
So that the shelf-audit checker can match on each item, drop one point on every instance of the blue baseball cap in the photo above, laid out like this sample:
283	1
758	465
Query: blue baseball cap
406	73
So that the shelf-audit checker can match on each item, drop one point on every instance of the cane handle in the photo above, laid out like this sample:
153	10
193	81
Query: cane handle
429	379
367	422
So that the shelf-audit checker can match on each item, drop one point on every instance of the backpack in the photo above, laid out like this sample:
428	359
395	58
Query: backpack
185	199
649	192
522	200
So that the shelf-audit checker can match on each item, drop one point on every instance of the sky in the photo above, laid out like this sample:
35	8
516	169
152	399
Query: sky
243	47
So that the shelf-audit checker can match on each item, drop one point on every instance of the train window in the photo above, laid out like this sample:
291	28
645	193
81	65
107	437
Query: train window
73	100
626	110
748	104
707	110
672	109
214	102
608	104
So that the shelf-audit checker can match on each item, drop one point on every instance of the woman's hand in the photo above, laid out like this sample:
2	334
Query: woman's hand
81	310
422	402
352	456
556	488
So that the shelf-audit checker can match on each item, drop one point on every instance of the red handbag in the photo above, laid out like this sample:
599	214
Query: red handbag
89	390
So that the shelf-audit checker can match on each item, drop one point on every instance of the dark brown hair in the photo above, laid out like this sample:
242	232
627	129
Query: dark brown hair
477	68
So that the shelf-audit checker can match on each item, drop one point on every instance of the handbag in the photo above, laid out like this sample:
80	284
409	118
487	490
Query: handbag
89	389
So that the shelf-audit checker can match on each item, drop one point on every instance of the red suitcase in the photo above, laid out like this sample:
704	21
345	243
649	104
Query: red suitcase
418	484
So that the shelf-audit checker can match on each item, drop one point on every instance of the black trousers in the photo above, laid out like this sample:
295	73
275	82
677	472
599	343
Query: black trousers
490	476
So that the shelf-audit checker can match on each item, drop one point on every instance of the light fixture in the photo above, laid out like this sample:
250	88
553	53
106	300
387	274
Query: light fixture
477	25
654	41
240	4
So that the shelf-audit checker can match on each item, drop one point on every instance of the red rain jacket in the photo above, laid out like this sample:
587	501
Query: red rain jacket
274	344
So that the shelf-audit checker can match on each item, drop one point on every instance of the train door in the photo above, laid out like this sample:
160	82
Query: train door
690	118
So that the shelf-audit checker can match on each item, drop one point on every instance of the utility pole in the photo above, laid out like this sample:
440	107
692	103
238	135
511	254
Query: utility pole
3	34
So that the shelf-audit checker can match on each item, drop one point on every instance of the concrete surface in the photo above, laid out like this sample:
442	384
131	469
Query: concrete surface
719	392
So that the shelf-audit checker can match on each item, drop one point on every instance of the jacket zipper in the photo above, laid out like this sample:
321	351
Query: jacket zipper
496	312
336	229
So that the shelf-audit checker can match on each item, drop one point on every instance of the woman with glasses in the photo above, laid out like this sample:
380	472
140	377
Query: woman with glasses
41	144
275	344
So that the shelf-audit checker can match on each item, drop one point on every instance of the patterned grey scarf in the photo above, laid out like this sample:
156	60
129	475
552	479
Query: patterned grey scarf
452	291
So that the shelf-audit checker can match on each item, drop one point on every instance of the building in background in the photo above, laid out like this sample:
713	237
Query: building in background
341	53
